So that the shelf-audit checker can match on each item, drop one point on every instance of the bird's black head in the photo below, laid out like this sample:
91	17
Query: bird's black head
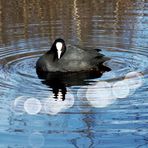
58	48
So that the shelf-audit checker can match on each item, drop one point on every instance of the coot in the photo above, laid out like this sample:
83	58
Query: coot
62	58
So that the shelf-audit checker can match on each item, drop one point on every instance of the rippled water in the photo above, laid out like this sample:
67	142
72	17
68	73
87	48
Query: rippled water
109	111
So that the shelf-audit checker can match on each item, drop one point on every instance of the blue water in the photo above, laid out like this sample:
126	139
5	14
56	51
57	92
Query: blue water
110	111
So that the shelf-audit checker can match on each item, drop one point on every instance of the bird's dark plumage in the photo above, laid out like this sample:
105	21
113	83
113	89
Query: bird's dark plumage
62	58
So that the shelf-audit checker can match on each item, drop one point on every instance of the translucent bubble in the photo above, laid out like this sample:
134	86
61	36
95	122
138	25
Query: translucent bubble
36	140
81	93
134	80
53	107
18	104
59	95
32	106
121	89
100	95
82	144
69	100
82	103
109	75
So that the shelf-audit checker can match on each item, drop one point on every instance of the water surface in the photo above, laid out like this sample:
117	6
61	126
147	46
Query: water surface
108	111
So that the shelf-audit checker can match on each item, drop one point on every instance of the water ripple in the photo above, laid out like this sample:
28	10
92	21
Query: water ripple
109	111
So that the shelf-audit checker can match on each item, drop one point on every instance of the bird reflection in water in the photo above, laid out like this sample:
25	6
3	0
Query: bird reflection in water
59	81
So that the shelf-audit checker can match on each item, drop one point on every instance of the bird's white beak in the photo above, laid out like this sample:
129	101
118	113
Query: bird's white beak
59	49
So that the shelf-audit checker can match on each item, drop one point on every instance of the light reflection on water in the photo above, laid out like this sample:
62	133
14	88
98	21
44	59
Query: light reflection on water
109	111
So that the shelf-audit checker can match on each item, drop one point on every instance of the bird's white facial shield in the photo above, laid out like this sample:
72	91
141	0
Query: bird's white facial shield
59	46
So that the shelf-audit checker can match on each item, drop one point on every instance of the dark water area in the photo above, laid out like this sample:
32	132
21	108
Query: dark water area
108	111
